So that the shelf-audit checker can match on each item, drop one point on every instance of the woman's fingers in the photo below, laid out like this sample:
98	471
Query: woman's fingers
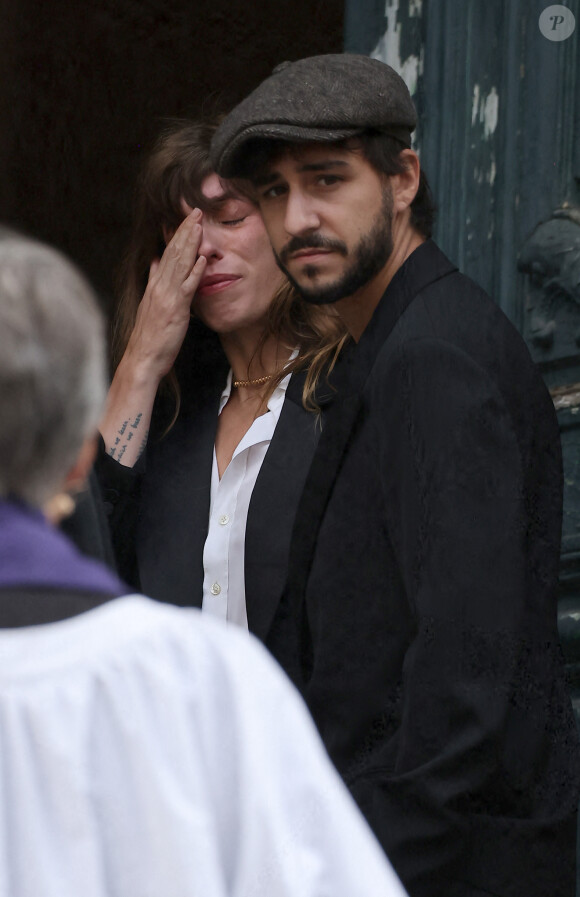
184	269
185	208
164	313
181	252
191	284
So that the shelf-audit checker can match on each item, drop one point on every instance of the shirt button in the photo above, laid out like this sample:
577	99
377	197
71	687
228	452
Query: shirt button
225	518
216	588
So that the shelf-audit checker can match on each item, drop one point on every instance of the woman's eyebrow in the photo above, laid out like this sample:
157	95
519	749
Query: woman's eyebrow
218	203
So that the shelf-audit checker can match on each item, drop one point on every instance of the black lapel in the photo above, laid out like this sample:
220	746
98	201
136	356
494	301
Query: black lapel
338	424
425	265
174	514
273	507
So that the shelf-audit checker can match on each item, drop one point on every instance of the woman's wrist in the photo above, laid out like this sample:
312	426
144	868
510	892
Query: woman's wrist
138	372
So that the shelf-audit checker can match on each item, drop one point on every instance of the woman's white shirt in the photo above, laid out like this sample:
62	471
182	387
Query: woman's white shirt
224	592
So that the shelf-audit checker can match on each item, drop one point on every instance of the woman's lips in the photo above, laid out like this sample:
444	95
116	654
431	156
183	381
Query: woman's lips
216	282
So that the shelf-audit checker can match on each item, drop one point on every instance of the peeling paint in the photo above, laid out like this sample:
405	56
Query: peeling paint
485	176
388	48
485	109
490	113
475	104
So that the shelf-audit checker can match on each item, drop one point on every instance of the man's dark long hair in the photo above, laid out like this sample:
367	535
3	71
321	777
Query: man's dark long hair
384	154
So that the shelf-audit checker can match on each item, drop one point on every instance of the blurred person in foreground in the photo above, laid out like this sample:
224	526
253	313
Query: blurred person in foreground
211	420
146	751
87	524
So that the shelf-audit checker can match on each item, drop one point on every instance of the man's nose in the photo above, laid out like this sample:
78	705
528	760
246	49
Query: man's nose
301	216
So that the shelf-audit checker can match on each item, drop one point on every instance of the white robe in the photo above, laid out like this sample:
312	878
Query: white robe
147	752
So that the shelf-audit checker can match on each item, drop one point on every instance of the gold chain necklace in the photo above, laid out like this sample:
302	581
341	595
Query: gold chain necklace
255	382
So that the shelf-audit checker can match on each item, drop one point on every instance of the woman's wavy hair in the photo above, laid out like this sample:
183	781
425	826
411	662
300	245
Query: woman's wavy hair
174	171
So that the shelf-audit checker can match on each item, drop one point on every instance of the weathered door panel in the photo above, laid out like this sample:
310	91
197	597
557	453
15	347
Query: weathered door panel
499	138
498	120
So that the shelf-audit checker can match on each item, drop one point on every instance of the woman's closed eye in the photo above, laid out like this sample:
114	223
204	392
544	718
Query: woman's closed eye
233	221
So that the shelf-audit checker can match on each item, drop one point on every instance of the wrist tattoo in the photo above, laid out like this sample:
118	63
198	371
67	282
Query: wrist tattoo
143	444
117	450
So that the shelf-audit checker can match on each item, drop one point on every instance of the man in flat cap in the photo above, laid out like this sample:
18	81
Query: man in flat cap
420	614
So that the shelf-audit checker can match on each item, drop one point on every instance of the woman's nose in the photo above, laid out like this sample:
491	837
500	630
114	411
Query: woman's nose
211	242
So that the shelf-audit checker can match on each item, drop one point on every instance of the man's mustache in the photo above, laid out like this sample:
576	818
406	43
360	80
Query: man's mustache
312	241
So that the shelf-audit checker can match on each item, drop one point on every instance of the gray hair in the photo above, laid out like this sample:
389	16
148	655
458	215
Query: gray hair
52	368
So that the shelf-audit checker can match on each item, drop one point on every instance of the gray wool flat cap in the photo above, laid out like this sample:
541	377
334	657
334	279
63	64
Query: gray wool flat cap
321	98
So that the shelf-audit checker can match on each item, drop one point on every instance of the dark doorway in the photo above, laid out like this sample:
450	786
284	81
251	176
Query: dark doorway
84	87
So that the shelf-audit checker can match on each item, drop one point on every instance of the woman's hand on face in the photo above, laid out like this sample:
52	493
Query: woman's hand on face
160	327
164	312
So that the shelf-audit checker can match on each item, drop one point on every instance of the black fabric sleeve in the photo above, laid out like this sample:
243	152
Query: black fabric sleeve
120	488
484	744
88	526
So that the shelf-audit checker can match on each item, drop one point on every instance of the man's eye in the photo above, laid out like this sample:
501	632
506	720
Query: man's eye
327	180
233	221
273	192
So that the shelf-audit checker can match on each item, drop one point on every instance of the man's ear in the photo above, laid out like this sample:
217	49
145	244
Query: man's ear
404	186
77	476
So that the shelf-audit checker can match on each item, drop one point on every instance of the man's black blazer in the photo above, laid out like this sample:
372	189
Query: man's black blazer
159	512
423	575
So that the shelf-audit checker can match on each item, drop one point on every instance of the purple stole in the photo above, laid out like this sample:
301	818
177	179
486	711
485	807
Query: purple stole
35	554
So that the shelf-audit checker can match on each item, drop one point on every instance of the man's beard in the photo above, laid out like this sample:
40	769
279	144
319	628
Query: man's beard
368	258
